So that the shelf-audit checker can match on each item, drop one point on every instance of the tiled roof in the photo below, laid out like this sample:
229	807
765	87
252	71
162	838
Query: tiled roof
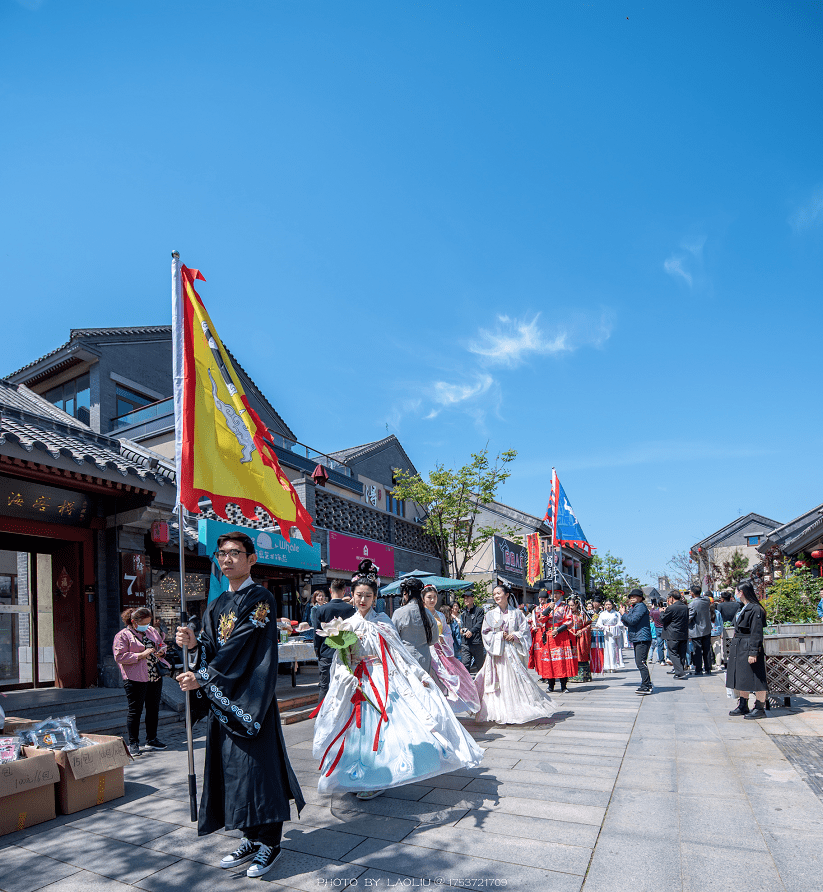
355	452
37	426
736	524
78	333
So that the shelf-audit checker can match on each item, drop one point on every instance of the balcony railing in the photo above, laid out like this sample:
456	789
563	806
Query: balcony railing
144	413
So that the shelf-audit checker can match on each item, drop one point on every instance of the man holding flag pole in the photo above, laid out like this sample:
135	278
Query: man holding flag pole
224	454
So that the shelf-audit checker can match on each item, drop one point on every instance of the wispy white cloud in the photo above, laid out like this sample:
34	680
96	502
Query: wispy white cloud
447	395
513	341
687	263
674	267
810	214
400	410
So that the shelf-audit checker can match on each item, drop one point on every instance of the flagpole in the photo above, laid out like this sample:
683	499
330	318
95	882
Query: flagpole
177	357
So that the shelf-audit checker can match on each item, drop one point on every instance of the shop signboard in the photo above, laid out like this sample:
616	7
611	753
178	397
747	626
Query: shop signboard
28	500
272	548
132	580
509	559
346	552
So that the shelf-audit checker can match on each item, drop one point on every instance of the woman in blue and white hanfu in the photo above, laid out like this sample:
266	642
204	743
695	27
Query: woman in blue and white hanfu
383	723
508	692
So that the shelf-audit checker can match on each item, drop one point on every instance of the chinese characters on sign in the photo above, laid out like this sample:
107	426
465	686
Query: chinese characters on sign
27	500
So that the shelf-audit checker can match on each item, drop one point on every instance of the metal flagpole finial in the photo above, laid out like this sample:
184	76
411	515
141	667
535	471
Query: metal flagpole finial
175	255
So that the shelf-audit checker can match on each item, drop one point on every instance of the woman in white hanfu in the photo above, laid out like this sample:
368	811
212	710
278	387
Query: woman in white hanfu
611	626
449	674
383	723
508	693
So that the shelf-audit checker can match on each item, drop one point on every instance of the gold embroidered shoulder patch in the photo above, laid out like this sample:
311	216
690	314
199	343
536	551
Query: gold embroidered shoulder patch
225	626
260	615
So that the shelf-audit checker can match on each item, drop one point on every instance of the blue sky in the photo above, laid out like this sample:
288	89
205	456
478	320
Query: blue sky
589	232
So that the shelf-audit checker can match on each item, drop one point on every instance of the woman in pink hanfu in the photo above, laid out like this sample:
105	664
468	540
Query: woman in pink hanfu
508	692
449	674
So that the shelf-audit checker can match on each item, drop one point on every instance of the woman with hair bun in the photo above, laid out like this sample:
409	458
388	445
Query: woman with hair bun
449	674
383	723
414	624
508	693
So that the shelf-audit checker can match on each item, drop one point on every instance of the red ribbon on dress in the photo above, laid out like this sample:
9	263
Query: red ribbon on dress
357	700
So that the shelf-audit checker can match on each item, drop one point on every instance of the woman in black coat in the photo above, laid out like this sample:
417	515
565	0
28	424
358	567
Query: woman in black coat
746	670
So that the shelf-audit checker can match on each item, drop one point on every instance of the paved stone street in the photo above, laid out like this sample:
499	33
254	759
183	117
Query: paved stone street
665	792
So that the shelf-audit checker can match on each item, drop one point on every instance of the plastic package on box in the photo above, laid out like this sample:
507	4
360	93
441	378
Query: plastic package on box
92	774
27	790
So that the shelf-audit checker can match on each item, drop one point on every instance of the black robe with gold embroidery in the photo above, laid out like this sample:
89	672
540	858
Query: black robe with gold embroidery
248	780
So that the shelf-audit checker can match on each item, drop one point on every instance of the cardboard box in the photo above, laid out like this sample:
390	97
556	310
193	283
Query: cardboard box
14	726
27	790
91	775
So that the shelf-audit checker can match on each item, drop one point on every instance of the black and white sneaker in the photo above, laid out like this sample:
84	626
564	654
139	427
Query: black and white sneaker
240	855
642	690
134	750
263	860
156	745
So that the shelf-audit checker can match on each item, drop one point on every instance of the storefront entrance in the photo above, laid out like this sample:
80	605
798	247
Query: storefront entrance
45	622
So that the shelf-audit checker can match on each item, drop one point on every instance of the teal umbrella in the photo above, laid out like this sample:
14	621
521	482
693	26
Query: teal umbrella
443	583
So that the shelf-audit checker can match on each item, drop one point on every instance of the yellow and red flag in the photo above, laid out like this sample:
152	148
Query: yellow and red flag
224	450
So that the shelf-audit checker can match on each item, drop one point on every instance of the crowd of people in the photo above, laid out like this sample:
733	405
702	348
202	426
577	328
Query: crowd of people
392	688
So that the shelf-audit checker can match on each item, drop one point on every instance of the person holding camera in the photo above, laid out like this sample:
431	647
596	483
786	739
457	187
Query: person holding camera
138	651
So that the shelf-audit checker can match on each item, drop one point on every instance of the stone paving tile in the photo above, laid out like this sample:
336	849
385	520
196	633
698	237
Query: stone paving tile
659	775
570	757
169	810
802	813
527	791
580	780
503	823
798	857
135	829
529	852
350	808
85	881
17	873
733	824
610	750
627	859
380	826
452	868
99	854
321	841
549	764
719	782
709	868
185	843
293	869
556	811
408	791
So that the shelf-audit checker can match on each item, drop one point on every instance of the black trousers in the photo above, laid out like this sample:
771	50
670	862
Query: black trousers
268	834
641	658
677	652
702	653
138	694
324	662
473	655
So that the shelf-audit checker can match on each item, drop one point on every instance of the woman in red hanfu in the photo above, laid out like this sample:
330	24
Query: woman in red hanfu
536	623
561	654
581	628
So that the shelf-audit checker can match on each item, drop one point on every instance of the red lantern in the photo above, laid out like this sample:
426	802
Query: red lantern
160	532
801	564
817	555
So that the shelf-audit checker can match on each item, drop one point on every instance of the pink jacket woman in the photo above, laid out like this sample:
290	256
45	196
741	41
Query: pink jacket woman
127	647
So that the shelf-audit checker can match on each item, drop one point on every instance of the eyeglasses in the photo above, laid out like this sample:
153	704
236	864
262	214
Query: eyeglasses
232	553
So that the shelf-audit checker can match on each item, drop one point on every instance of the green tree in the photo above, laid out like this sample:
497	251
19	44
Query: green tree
794	598
452	500
729	572
608	573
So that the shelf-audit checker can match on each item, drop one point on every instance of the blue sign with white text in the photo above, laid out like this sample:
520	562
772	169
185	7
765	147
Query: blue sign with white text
272	548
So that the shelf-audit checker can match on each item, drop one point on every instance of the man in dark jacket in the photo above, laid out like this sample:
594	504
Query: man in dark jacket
337	608
638	622
728	607
700	631
675	619
472	653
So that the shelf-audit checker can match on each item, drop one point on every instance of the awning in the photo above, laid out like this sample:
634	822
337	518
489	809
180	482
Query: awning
443	583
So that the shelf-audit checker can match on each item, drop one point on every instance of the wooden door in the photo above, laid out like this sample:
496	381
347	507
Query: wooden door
68	603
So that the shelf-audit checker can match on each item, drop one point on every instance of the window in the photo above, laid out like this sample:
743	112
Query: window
752	540
129	400
395	506
73	397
